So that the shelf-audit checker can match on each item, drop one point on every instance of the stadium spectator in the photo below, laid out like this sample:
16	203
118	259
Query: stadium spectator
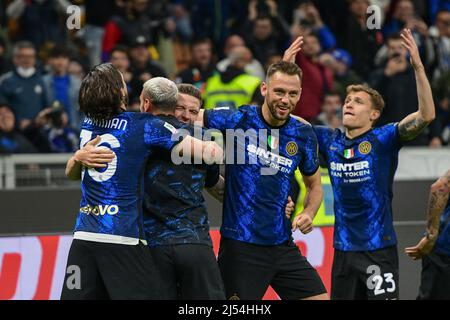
340	61
76	69
307	16
233	87
5	64
61	86
361	42
164	30
331	115
40	20
56	134
23	88
143	67
404	17
442	92
11	140
394	81
318	79
264	37
254	68
133	24
201	66
215	19
440	37
98	13
182	22
120	58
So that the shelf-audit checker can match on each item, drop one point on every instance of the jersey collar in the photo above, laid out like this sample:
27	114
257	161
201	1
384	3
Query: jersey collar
259	108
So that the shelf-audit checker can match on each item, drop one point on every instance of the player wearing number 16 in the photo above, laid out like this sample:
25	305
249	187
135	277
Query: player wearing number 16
108	247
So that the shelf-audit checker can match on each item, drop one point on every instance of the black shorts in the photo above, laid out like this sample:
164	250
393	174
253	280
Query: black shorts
248	270
435	281
98	270
365	275
189	272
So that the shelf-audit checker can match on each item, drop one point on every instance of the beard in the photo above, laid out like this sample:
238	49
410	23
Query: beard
273	111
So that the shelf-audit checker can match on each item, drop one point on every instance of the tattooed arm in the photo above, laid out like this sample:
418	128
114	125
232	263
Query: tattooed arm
439	195
412	125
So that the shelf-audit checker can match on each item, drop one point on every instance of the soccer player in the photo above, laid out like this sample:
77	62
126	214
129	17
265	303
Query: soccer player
362	162
257	249
175	217
108	248
434	247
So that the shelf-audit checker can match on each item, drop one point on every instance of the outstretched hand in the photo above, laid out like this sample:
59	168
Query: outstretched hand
294	48
410	44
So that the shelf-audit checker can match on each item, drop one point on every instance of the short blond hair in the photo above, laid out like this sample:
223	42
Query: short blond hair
375	97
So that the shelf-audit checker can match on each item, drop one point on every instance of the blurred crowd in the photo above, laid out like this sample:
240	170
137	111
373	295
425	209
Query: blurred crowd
223	47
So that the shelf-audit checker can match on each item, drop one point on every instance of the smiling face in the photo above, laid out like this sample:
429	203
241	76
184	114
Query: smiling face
358	111
281	92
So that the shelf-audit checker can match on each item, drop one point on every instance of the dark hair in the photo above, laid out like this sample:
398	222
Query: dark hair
191	90
201	40
332	93
119	48
101	92
58	51
6	105
262	16
394	36
22	45
285	67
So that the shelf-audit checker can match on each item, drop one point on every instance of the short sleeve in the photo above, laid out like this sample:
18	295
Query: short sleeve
158	133
222	118
310	162
389	136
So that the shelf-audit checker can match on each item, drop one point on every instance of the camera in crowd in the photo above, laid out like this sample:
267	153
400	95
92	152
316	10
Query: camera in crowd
56	115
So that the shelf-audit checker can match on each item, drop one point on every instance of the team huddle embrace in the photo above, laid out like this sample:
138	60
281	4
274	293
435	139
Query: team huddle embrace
143	232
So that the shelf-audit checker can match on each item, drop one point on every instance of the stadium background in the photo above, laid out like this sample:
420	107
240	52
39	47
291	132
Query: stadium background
38	205
37	223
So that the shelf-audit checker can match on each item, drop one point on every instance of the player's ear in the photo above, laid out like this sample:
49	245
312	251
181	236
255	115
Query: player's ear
263	89
375	115
148	105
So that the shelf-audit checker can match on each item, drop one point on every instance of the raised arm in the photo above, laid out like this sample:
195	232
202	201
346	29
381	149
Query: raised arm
313	199
203	151
439	194
412	125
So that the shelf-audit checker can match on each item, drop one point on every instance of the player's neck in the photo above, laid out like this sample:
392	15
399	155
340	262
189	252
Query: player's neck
352	133
157	112
269	119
